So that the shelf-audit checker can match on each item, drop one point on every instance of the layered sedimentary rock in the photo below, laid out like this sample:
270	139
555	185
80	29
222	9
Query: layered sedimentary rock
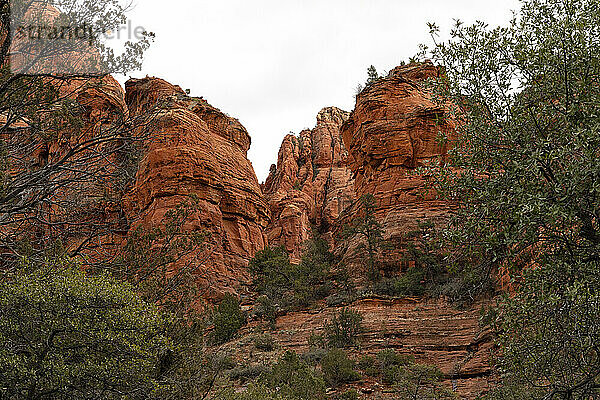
432	331
311	184
193	149
395	129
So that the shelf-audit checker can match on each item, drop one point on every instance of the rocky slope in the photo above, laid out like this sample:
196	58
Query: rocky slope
311	184
430	330
195	149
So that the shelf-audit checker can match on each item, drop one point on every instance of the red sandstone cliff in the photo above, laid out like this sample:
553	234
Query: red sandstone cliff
395	129
195	149
311	184
192	148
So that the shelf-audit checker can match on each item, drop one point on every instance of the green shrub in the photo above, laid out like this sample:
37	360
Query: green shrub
227	319
264	342
411	283
338	368
368	365
419	381
254	392
340	299
348	395
66	335
344	329
266	310
389	357
314	355
247	374
316	341
294	379
391	364
221	362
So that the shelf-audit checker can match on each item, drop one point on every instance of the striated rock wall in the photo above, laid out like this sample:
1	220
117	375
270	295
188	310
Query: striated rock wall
432	331
311	184
395	129
195	149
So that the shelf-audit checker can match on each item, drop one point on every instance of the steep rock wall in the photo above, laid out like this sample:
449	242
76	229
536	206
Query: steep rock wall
195	149
311	184
395	129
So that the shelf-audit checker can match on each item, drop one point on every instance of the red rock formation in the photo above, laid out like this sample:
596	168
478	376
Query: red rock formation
393	130
311	183
198	150
432	331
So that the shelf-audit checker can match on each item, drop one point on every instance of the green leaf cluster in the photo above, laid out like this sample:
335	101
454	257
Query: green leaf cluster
66	335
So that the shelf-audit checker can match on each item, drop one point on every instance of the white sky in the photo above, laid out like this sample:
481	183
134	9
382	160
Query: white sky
275	63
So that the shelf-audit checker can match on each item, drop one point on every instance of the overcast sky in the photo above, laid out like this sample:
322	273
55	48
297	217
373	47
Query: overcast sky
275	63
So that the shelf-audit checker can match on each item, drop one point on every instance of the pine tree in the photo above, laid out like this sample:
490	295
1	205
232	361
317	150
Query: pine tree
373	75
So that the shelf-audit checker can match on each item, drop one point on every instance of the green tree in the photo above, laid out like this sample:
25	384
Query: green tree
64	335
550	335
338	368
313	273
294	284
373	75
344	329
271	271
266	310
227	319
369	231
527	184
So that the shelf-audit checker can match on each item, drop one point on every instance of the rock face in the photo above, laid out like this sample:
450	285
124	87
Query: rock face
393	130
432	331
195	149
311	184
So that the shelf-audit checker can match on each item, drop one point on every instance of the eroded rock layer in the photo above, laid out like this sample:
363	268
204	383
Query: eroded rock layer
432	331
395	129
196	150
311	184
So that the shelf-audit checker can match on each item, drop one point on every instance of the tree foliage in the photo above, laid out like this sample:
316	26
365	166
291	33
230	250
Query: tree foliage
338	368
227	319
369	232
271	271
373	75
64	335
344	329
527	185
294	284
